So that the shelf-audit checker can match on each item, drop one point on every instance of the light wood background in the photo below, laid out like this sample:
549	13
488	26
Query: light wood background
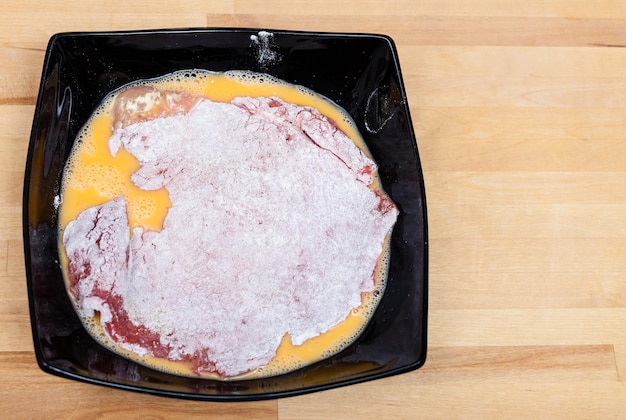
520	113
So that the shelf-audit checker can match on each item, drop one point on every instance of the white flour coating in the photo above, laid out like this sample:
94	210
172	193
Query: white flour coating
272	231
97	247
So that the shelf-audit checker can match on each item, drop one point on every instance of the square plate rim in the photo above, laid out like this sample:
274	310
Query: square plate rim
46	367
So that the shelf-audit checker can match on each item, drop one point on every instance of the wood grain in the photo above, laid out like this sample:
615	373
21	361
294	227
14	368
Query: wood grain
519	110
435	30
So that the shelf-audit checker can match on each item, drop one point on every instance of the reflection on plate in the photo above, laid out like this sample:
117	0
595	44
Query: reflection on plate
357	71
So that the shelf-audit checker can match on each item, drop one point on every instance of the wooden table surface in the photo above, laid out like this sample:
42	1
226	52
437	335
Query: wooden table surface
520	112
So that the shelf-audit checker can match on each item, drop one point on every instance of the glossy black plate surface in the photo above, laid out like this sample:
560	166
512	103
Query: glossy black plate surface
359	72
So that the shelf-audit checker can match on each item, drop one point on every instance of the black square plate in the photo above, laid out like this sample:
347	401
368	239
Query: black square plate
359	72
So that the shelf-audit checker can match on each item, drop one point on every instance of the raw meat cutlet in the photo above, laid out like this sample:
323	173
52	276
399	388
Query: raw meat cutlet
273	230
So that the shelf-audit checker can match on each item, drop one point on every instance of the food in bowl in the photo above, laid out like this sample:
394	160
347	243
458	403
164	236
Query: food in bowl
223	225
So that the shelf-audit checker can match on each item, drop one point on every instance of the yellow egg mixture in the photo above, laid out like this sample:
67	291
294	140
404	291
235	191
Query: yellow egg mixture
93	176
